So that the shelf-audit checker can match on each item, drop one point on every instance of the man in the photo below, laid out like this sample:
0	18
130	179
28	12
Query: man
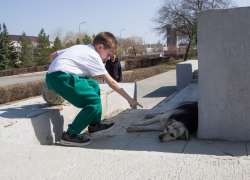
113	67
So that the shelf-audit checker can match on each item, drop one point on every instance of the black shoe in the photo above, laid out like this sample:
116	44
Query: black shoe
68	139
99	128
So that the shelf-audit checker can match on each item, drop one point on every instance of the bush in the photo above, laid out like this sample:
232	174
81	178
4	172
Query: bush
20	91
145	62
30	89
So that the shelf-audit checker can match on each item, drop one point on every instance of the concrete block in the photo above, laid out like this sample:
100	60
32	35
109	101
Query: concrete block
223	52
113	102
184	73
35	121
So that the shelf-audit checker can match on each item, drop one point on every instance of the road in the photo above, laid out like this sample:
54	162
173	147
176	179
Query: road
23	78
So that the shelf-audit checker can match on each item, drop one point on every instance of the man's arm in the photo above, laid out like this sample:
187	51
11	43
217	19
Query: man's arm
117	87
53	56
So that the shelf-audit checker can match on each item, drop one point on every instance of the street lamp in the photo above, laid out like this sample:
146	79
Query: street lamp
121	42
144	42
79	30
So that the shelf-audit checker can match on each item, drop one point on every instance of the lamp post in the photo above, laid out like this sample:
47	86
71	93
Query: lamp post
79	30
121	42
144	42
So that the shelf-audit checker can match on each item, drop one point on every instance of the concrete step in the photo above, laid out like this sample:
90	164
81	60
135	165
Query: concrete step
195	76
195	81
35	121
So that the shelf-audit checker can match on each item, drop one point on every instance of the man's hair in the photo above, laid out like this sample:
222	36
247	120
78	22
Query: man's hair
107	39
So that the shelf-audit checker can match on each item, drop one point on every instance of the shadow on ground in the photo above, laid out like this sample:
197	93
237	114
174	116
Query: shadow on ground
50	122
161	92
120	139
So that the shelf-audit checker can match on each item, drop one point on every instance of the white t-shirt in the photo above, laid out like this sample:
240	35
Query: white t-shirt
79	60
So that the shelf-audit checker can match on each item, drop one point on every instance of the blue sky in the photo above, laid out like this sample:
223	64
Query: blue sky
100	15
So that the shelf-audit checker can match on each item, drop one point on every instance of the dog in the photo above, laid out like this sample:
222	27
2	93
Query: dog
177	122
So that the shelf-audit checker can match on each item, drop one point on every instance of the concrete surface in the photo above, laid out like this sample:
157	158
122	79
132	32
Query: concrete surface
223	50
43	123
185	72
136	155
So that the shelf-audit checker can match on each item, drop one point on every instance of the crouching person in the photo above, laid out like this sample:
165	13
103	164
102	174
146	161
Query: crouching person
67	76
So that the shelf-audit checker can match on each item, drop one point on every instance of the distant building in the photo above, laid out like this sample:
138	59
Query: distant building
34	40
152	48
171	38
183	48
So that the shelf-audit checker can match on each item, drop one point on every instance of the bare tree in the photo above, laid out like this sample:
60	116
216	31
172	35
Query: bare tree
135	45
58	32
181	17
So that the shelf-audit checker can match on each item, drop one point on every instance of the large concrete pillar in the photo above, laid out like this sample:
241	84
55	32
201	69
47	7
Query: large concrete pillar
224	74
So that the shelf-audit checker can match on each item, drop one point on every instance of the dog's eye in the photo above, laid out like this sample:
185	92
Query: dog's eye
172	135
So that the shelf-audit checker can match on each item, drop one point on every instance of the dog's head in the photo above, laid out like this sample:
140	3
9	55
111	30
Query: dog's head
173	130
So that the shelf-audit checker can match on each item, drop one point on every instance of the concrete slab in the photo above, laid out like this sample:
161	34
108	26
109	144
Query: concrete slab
184	73
235	148
223	50
155	89
148	134
55	162
218	148
110	142
203	147
153	144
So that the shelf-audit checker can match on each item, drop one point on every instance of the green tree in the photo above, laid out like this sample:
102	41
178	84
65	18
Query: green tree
57	45
77	41
69	44
26	50
13	55
3	52
93	37
43	48
10	53
87	40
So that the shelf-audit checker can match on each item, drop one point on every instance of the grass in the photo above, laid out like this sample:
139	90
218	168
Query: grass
172	64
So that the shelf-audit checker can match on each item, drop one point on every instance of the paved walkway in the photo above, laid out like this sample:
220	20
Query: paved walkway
23	78
138	155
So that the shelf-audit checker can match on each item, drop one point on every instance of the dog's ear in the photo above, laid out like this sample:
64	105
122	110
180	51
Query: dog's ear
170	121
185	135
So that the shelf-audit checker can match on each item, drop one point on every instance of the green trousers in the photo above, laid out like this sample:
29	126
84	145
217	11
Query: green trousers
81	92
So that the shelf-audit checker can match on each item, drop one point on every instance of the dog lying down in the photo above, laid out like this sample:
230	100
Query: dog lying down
177	122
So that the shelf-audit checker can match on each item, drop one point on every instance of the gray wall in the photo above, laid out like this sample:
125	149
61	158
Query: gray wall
224	74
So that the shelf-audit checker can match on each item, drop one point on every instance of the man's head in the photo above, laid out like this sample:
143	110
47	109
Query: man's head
113	58
105	44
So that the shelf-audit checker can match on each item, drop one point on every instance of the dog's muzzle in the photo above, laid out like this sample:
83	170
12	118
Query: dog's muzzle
161	136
